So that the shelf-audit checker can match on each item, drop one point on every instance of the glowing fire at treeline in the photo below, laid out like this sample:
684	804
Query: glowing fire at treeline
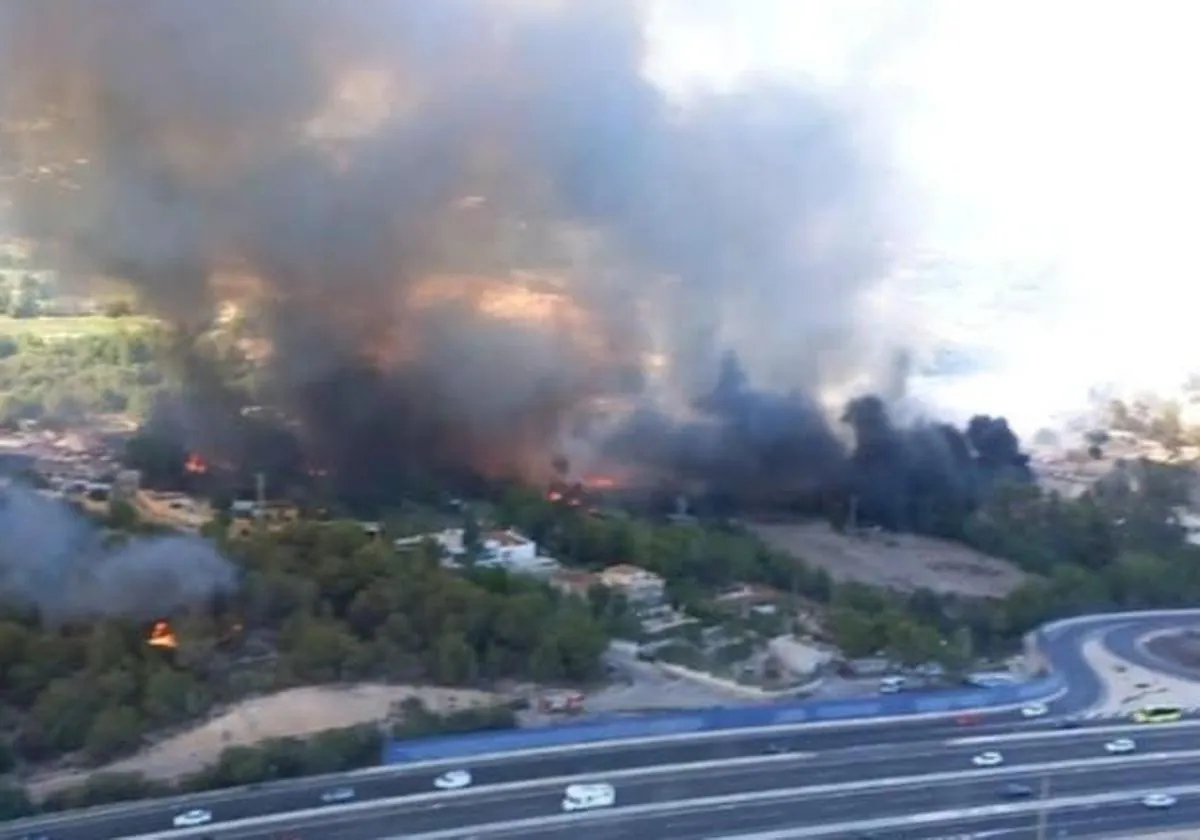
195	465
162	636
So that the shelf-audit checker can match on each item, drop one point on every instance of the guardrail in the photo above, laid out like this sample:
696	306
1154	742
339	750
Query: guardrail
722	718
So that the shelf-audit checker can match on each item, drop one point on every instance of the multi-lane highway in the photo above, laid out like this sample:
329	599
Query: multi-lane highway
867	783
850	771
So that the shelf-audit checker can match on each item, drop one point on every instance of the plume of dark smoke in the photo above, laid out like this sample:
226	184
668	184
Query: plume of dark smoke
747	448
53	559
462	224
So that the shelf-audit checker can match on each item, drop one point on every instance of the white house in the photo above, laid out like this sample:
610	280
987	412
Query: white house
508	549
635	583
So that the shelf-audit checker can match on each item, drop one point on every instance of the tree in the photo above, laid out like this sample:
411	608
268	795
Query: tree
14	803
853	632
115	731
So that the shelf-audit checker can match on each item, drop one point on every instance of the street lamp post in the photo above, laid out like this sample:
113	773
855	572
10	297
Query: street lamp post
1043	812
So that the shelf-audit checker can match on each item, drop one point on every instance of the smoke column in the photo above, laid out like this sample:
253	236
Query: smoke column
55	560
455	225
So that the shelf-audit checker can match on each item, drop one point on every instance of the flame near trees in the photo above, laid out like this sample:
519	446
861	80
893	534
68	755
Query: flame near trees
195	465
162	636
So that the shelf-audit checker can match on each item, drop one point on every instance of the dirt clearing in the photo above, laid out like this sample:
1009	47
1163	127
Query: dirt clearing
296	712
903	562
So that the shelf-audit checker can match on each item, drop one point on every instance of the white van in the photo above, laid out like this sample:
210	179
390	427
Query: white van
583	797
892	685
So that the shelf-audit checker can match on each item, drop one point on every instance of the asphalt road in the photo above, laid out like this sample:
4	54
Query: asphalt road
726	819
482	805
1063	649
1123	641
1120	820
243	803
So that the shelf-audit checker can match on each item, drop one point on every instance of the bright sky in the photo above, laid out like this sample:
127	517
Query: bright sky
1043	133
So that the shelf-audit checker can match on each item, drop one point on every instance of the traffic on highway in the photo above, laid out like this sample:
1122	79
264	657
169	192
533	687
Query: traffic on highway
757	781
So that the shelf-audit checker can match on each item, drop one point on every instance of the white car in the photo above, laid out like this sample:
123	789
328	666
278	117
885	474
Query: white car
453	780
187	819
1159	800
343	794
988	759
1120	746
1034	710
584	797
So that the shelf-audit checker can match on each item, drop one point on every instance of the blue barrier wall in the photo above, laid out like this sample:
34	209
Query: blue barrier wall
711	720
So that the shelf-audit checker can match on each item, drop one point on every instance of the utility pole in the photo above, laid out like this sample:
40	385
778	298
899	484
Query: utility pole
1044	811
260	498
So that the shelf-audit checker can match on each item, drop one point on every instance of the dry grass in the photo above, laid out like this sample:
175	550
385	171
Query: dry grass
904	562
295	712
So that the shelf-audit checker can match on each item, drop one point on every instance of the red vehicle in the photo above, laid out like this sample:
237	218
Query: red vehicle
967	719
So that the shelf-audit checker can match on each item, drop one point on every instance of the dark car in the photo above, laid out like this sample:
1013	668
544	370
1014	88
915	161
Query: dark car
1016	791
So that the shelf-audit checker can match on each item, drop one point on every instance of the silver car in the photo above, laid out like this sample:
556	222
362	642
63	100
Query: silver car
342	794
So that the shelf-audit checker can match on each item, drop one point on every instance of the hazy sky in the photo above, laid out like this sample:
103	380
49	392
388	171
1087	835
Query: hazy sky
1056	134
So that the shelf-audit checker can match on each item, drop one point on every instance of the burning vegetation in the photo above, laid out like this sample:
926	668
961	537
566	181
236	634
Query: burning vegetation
468	237
162	636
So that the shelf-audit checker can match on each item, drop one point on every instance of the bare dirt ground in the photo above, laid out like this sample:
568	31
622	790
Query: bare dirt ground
295	712
904	562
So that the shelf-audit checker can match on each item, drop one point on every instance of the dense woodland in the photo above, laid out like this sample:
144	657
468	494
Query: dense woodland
67	378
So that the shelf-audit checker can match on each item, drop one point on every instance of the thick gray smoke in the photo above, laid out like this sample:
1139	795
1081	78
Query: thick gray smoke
55	560
457	223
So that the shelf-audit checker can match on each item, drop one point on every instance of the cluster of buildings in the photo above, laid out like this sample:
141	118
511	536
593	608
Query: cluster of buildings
512	551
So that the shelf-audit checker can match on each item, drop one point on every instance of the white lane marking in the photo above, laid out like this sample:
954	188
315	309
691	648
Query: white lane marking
363	809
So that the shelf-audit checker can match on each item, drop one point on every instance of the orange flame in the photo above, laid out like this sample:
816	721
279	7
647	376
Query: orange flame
195	465
161	635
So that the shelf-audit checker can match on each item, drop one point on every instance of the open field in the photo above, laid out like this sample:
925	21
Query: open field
297	712
903	562
71	327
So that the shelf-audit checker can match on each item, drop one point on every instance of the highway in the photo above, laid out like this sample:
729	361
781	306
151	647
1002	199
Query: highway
959	782
243	803
1125	820
800	757
1123	641
759	810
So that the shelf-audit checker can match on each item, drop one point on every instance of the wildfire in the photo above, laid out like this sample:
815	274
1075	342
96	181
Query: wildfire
195	465
162	636
569	495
